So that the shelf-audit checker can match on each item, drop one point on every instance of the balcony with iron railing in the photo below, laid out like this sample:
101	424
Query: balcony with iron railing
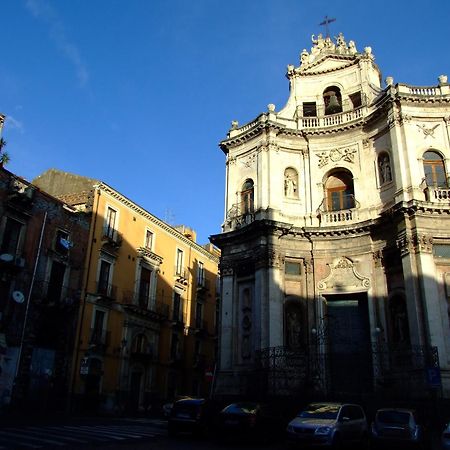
203	284
106	291
140	302
52	294
99	339
112	240
239	215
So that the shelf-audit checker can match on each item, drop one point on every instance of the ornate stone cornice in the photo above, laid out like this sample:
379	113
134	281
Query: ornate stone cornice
142	212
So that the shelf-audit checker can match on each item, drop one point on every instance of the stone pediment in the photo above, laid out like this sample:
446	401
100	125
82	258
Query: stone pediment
327	64
343	277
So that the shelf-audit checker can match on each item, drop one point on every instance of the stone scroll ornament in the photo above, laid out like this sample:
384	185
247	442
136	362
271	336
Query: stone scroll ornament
343	276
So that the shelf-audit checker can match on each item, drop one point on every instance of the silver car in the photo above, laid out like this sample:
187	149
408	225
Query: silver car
329	425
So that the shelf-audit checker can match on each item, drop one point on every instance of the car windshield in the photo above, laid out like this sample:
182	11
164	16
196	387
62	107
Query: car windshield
320	411
396	417
241	408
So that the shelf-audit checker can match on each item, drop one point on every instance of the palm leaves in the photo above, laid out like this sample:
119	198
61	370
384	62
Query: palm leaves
4	157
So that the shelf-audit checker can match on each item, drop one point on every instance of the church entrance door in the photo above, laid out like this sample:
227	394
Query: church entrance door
348	343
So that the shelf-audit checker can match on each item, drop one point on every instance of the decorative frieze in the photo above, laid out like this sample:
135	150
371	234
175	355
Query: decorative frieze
337	154
415	243
427	131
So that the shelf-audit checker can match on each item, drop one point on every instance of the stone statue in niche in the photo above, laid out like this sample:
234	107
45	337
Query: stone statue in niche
384	167
294	328
290	183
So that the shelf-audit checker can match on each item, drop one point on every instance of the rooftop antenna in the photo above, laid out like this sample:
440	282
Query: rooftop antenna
169	216
325	23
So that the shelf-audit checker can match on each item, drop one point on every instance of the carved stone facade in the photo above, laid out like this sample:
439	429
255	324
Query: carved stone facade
345	234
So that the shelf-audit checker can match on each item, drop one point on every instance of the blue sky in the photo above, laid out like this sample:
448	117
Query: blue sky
139	93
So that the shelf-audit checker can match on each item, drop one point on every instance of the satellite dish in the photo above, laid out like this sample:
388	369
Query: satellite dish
6	257
18	297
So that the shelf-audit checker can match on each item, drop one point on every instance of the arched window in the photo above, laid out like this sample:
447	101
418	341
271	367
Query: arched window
333	100
247	197
433	166
290	183
339	191
384	168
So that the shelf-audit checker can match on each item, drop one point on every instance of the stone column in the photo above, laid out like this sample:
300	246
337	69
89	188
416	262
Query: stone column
261	309
226	314
430	290
412	290
377	296
275	301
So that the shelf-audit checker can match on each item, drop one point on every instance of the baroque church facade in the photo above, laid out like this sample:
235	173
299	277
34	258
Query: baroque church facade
335	266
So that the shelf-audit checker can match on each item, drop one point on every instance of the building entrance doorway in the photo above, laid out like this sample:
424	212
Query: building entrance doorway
349	355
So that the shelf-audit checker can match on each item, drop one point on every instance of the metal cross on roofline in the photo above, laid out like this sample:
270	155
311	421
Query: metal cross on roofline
325	23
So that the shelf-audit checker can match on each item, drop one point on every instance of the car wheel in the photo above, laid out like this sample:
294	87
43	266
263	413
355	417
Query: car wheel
337	442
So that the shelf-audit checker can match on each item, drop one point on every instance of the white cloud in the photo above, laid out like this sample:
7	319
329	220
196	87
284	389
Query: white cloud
14	124
41	9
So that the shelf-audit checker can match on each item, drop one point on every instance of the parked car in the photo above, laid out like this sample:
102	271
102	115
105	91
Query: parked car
189	415
252	420
445	437
329	425
397	426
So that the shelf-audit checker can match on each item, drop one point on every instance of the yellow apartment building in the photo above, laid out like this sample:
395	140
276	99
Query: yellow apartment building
147	323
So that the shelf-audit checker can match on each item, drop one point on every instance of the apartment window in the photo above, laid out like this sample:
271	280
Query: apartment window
144	287
98	335
110	223
11	236
179	263
103	279
201	274
56	281
433	166
177	310
339	191
198	315
148	240
62	242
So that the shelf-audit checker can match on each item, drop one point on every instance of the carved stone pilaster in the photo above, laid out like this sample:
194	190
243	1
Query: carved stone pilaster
226	270
308	264
378	258
414	244
265	258
231	160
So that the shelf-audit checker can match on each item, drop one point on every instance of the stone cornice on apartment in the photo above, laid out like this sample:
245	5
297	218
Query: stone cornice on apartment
142	212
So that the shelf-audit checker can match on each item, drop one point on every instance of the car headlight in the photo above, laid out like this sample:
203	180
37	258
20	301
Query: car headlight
323	430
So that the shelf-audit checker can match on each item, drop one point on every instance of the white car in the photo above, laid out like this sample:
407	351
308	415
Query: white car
329	425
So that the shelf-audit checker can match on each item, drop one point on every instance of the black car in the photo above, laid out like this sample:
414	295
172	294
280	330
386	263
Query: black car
191	415
250	420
